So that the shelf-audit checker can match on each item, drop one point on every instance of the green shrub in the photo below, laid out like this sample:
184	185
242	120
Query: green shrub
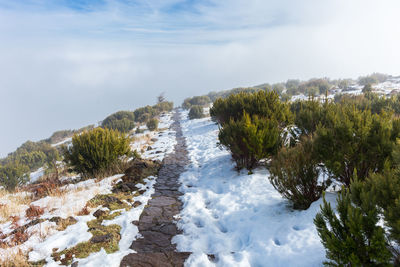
354	139
309	114
152	124
122	121
315	87
294	174
262	104
196	101
31	154
144	113
13	174
372	78
164	106
58	136
355	237
96	151
34	160
196	112
250	140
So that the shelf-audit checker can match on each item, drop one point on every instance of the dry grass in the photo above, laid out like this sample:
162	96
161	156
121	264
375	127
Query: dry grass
12	204
144	141
34	212
84	211
14	259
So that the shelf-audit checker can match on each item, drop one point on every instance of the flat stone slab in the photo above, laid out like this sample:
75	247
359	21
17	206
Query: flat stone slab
152	259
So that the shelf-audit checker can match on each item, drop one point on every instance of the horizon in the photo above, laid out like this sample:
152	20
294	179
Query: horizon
68	64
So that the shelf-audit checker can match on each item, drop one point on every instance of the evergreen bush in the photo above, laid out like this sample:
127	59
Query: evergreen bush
96	151
262	104
122	121
294	174
356	237
353	238
196	101
355	139
250	140
152	124
13	174
196	112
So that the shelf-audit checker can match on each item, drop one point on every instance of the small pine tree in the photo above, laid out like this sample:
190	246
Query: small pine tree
353	238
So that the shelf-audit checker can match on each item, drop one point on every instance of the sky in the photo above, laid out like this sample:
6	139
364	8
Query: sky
65	64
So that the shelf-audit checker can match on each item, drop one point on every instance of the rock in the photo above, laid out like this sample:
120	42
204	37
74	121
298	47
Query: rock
55	219
153	139
99	213
159	259
75	264
101	238
111	199
142	191
149	148
158	151
136	204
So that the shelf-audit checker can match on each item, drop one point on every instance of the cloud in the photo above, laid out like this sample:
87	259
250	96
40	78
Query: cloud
65	66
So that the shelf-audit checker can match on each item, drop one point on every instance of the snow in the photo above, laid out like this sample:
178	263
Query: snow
239	218
76	198
67	140
128	232
165	140
77	233
34	176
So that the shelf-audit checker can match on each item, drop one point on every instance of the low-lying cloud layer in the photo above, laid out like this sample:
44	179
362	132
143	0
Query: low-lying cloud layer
70	64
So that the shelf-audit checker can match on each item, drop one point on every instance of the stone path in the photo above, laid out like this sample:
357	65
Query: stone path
156	223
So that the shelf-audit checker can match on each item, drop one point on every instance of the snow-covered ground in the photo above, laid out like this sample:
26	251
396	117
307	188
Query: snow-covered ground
390	86
78	232
239	218
164	140
44	236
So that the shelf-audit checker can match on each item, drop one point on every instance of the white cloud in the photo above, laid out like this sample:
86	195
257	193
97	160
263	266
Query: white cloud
60	68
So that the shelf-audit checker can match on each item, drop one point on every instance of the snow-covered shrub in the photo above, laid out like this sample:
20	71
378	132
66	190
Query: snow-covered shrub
196	112
294	174
250	139
96	151
354	236
152	124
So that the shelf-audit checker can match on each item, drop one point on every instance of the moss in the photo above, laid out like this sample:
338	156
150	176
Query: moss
114	201
37	263
84	249
62	223
111	216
